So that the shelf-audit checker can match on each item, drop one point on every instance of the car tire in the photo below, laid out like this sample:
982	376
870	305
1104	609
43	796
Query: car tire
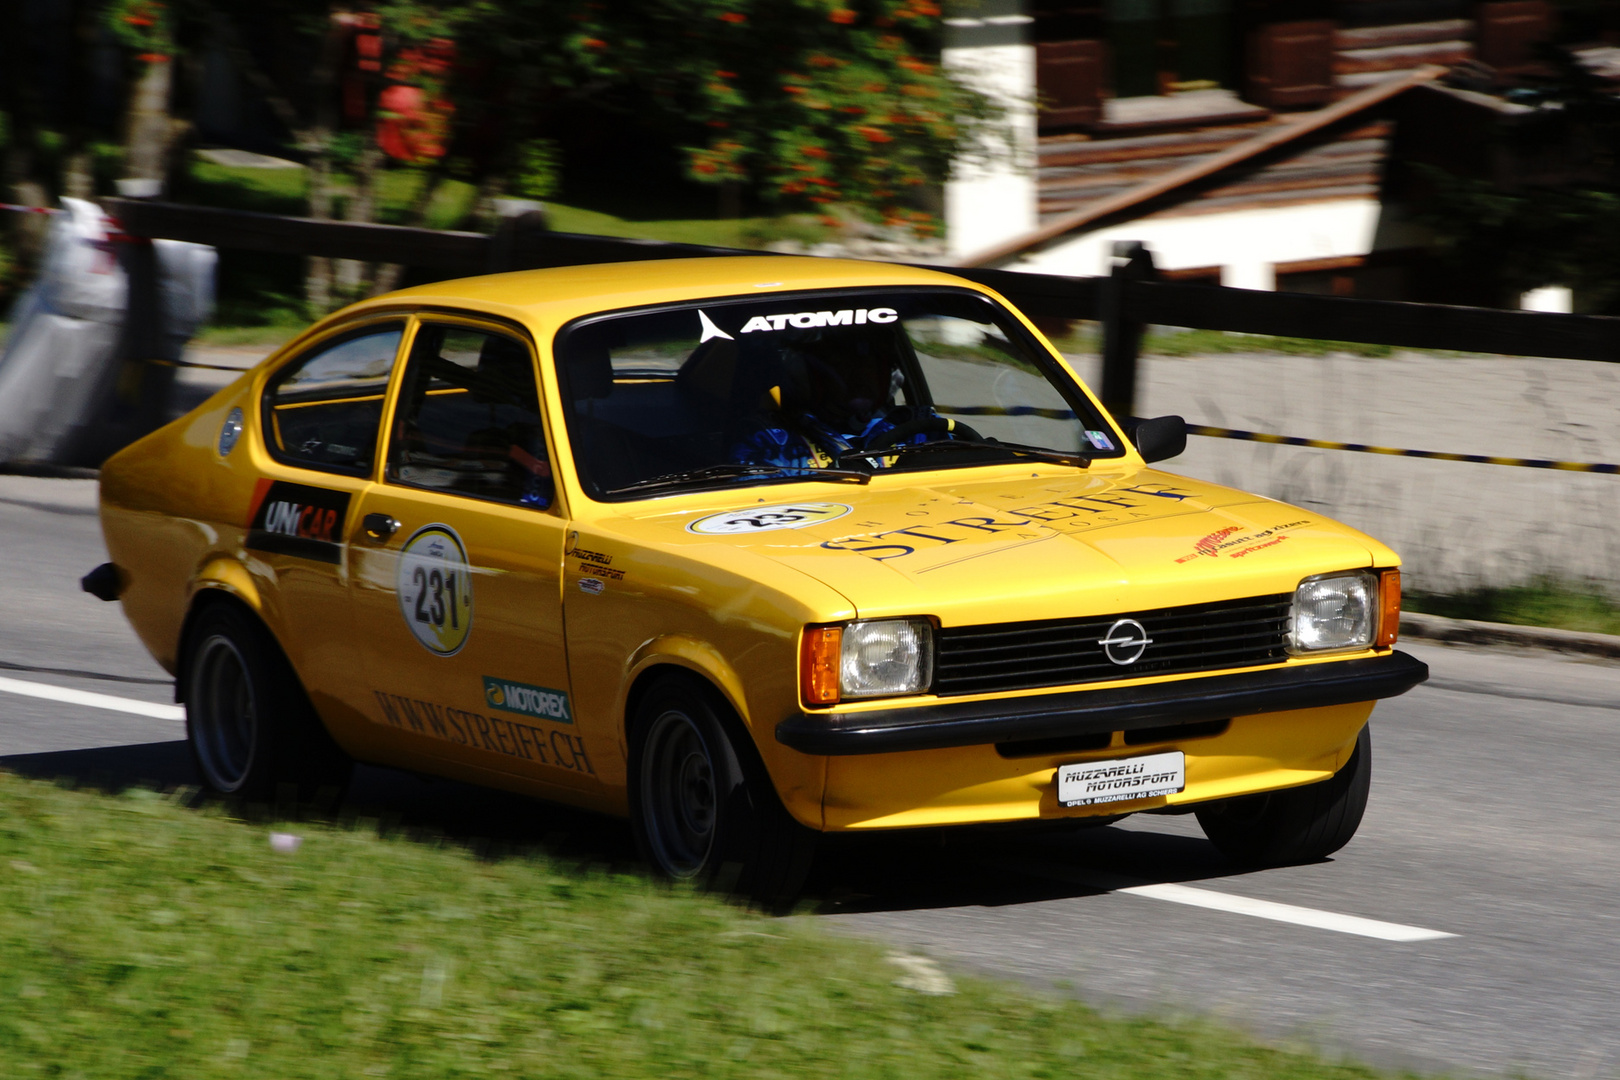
254	734
1296	825
702	806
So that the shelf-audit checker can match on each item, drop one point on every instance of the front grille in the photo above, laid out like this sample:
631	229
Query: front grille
1057	652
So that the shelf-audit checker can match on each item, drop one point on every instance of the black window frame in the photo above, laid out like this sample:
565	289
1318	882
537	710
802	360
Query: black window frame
427	319
331	341
1066	384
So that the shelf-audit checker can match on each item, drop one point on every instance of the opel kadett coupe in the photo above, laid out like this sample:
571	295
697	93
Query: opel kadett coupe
745	550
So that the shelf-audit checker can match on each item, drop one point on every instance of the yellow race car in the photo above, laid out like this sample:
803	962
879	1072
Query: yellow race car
746	550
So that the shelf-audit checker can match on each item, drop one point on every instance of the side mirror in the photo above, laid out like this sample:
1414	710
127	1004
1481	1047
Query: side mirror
1158	438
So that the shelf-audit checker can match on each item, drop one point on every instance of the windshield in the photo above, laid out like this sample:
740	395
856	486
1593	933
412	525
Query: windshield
847	383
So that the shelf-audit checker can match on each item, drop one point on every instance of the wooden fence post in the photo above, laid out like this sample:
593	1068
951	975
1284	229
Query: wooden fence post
1121	336
512	245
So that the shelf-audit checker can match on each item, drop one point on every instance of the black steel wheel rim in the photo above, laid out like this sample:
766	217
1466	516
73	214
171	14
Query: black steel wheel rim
680	803
224	714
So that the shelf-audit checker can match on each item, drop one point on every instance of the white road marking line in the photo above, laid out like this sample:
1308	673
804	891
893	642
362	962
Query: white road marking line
1286	913
90	700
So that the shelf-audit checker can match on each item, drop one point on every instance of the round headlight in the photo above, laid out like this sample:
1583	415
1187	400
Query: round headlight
886	656
1334	612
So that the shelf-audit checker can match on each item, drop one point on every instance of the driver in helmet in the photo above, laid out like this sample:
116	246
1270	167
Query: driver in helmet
832	391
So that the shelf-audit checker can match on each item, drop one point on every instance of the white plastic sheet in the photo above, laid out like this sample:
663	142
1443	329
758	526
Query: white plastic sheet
61	360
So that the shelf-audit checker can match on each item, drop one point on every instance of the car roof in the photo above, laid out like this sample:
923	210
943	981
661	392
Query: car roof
552	297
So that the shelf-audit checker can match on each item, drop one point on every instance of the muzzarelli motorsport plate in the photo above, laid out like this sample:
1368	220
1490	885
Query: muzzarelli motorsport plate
1122	779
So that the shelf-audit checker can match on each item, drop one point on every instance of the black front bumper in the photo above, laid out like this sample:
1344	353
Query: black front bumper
1091	712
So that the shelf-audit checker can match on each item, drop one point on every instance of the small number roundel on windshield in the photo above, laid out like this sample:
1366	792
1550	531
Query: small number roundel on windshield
756	519
435	589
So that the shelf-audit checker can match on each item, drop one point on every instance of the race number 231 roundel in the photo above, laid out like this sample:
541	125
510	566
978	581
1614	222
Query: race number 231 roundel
435	589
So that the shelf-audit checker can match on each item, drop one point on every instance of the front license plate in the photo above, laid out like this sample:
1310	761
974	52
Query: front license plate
1122	779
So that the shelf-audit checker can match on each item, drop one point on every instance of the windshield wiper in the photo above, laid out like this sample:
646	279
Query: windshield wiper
734	469
1017	449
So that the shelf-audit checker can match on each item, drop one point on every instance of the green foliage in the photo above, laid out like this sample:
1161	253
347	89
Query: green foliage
539	168
142	939
1560	604
807	102
145	26
345	147
1531	237
1551	213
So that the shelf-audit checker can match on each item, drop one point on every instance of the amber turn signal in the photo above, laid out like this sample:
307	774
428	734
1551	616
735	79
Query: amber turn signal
818	664
1389	608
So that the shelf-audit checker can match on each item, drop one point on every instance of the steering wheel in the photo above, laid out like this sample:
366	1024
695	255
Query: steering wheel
923	425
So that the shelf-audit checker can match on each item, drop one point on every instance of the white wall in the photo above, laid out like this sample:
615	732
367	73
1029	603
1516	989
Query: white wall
986	203
1244	243
1559	299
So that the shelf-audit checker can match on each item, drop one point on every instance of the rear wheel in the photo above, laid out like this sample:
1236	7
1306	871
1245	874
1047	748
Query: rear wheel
252	730
1296	825
702	806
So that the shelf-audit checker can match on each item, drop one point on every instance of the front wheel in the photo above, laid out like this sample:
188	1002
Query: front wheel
702	807
1295	825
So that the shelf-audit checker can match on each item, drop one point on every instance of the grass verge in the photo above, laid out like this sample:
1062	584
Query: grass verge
282	324
144	939
1219	342
283	191
1085	337
1557	604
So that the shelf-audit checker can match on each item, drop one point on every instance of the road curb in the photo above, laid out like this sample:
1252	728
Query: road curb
49	472
1472	632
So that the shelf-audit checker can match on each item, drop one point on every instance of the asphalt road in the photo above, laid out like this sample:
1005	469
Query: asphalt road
1493	820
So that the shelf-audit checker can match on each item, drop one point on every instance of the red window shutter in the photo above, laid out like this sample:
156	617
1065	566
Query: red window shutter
1291	64
1508	30
1069	77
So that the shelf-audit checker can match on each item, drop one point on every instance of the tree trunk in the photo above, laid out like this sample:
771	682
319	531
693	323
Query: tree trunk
353	277
150	128
318	144
388	274
318	275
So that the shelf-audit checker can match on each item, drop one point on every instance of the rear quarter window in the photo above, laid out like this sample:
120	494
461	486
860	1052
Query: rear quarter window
323	410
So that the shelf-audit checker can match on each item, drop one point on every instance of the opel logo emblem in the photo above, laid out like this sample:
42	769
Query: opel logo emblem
1125	642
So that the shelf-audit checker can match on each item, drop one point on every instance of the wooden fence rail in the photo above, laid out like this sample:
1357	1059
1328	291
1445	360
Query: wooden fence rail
1125	302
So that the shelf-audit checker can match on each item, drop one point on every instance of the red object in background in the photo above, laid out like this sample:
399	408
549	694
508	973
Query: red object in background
409	127
400	108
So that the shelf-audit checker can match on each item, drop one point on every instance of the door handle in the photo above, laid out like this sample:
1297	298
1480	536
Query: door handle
379	526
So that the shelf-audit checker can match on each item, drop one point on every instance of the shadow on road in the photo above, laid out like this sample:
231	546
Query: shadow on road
487	821
984	867
992	867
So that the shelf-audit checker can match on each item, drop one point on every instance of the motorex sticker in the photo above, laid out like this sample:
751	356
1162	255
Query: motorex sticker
537	701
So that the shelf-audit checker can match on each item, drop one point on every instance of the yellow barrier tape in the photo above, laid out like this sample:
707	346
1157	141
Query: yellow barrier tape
191	363
1293	440
1434	455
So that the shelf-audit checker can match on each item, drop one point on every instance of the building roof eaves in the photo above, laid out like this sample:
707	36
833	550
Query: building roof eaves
1204	167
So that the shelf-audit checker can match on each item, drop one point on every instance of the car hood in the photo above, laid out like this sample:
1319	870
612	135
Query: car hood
1031	546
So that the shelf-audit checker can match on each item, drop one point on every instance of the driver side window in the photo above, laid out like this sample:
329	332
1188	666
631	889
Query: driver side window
468	420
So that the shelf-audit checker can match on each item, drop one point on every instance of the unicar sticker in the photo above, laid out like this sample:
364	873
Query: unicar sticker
758	519
294	519
435	589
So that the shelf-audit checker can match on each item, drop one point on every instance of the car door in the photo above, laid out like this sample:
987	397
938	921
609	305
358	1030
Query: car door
457	569
321	416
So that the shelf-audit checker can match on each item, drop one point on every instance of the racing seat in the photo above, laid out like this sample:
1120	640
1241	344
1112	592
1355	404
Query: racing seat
604	451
